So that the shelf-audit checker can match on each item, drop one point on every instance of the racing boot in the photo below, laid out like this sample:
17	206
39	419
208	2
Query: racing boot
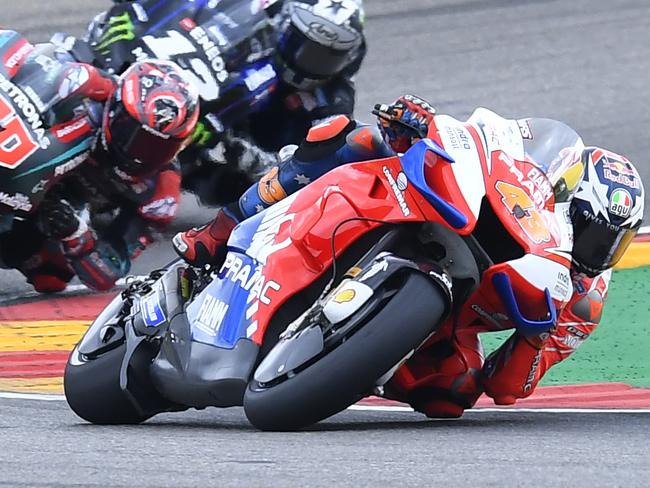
206	244
47	271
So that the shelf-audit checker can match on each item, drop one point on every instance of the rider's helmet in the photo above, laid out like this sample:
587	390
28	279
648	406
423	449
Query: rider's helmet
319	39
606	211
149	117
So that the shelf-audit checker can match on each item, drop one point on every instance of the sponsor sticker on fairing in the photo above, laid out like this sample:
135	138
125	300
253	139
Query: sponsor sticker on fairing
72	130
346	300
17	201
17	55
211	315
345	296
212	52
255	78
71	164
152	312
397	190
30	114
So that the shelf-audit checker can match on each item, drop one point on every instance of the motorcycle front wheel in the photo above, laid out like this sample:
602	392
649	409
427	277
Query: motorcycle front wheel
92	387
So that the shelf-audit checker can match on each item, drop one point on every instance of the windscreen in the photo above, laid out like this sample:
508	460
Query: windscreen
555	148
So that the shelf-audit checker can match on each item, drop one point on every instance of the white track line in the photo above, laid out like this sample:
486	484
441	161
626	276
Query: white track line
71	289
119	283
32	396
645	229
384	408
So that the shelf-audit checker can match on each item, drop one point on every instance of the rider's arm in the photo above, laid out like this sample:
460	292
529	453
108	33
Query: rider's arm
136	227
99	260
327	146
338	141
514	370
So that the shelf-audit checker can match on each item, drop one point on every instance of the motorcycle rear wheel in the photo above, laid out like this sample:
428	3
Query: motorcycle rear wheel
349	372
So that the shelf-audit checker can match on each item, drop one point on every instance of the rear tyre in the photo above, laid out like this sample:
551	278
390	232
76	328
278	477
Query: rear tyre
92	388
349	372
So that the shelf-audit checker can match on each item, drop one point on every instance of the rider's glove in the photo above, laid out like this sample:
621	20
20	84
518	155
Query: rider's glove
404	121
58	219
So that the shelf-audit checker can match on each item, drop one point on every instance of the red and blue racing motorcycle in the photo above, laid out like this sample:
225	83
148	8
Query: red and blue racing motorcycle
323	296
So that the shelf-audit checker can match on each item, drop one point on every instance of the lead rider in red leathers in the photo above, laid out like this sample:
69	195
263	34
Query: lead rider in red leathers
448	374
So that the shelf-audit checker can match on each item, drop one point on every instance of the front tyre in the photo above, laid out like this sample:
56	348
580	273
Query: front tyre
92	387
349	372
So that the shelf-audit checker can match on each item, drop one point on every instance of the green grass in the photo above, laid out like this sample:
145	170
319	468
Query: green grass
619	349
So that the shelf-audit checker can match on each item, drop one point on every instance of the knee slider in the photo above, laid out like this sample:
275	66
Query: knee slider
365	140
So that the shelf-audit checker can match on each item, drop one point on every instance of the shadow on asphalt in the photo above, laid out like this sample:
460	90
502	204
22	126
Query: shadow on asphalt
372	423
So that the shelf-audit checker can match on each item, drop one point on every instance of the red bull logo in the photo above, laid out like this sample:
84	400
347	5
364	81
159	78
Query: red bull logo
619	167
616	168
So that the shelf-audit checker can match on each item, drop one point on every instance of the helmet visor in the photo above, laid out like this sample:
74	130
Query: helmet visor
309	58
598	245
139	149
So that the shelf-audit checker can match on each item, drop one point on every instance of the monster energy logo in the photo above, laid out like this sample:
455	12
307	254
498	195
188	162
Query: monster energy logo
201	135
119	28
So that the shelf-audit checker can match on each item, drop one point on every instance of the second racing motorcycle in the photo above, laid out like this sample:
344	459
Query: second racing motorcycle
224	48
323	296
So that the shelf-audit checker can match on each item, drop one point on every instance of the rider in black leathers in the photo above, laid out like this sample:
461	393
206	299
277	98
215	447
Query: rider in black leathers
87	162
278	68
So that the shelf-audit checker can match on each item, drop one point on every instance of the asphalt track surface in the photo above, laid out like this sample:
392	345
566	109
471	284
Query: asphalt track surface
585	62
42	444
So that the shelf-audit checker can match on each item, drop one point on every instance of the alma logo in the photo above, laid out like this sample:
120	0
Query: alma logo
620	203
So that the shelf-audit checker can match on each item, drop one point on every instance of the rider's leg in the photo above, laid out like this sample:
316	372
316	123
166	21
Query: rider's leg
442	379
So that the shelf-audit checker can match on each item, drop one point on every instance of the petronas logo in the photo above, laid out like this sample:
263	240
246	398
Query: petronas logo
119	28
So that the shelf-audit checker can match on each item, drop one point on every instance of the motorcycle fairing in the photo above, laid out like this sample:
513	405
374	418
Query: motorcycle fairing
30	96
525	292
223	47
152	311
282	250
460	182
353	199
416	173
522	197
221	314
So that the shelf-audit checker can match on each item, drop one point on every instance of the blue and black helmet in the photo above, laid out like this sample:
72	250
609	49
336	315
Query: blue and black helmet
319	39
606	211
